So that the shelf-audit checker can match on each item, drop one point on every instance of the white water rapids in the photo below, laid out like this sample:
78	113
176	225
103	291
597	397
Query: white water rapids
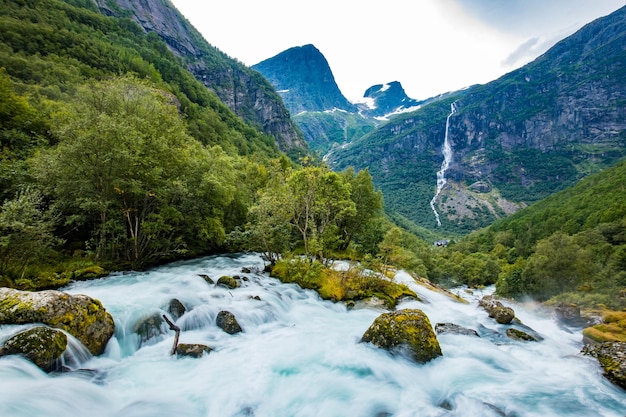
447	158
300	356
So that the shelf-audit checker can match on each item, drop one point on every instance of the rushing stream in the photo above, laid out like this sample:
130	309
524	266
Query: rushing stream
447	158
301	356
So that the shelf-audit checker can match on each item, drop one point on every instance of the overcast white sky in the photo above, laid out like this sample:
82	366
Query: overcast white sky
430	46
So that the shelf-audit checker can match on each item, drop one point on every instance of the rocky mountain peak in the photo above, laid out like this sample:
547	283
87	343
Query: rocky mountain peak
384	99
304	79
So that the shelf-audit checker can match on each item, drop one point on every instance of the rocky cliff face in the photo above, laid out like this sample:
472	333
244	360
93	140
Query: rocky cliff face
515	140
245	91
303	78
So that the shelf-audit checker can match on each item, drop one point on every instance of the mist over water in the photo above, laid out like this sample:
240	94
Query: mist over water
300	356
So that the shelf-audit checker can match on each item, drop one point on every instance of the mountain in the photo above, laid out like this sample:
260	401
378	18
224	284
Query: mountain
513	141
303	78
243	90
327	119
383	100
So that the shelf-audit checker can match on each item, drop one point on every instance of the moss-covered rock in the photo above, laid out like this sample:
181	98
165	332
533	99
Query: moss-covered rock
517	334
228	282
41	345
193	350
612	358
612	328
497	311
226	321
83	317
405	331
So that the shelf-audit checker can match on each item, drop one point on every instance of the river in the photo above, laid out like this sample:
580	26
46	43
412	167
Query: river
300	356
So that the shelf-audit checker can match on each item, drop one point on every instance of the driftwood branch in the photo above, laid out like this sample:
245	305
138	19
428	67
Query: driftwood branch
176	329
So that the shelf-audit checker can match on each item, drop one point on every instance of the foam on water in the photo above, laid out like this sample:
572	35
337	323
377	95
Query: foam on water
301	356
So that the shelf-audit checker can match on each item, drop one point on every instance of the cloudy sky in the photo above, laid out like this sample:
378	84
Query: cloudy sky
430	46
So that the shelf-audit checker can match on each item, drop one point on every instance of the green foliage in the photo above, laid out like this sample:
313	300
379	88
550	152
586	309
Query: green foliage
125	168
26	233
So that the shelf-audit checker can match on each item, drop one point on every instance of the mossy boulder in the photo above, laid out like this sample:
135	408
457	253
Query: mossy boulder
193	350
612	358
405	331
520	335
83	317
497	311
228	282
41	345
226	321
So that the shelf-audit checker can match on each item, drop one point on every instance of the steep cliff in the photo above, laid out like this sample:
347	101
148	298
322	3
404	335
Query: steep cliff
514	141
243	90
303	78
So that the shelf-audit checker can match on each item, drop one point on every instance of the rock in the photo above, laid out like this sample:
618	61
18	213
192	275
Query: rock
246	270
41	345
193	350
407	331
207	279
228	282
517	334
454	329
612	358
497	311
176	309
83	317
149	327
226	321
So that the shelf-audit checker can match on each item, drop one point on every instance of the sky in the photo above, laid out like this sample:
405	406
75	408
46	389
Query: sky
429	46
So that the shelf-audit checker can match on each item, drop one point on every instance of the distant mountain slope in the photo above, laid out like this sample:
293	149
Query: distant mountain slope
243	90
383	100
303	78
514	141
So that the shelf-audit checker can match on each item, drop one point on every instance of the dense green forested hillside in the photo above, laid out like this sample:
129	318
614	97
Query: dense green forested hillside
571	245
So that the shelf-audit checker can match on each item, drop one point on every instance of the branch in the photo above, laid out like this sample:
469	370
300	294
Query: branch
177	330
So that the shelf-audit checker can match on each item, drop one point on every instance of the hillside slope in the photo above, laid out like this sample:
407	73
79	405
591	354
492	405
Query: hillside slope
243	90
514	141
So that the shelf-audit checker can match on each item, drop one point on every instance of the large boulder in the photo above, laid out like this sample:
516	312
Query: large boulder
41	345
405	331
226	321
228	282
497	311
612	358
81	316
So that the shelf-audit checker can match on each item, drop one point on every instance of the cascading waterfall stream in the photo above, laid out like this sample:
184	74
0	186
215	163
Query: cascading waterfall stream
447	158
300	356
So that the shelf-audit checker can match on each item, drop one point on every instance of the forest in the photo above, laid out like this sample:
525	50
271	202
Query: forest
114	157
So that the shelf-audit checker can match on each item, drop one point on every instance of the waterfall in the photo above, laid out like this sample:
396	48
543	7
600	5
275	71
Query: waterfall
300	356
447	158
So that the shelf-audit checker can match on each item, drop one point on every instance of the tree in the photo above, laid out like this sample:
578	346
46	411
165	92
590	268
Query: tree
26	232
319	200
125	168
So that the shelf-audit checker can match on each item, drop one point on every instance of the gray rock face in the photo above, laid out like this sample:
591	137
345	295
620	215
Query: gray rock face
41	345
226	321
441	328
405	331
612	358
83	317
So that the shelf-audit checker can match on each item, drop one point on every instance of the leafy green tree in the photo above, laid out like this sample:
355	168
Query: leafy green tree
125	168
26	232
318	198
